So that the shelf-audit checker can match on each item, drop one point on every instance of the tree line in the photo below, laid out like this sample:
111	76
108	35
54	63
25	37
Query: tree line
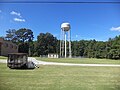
47	43
97	49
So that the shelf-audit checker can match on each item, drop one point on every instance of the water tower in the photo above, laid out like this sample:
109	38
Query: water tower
64	37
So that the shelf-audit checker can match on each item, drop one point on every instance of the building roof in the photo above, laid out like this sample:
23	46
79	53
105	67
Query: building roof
17	53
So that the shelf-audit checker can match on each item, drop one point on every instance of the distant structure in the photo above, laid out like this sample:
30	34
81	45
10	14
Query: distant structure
17	60
65	33
7	47
53	55
20	61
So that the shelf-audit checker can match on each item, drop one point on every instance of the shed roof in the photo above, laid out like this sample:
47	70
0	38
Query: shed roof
17	53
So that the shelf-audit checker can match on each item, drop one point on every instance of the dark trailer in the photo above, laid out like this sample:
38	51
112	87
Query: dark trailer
17	60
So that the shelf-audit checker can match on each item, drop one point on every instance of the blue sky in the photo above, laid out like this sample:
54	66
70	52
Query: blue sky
99	21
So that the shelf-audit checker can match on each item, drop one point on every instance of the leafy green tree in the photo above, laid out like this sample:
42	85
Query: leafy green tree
10	34
114	54
23	48
75	49
46	43
24	36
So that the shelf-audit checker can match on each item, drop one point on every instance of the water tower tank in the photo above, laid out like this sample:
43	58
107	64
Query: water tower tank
65	26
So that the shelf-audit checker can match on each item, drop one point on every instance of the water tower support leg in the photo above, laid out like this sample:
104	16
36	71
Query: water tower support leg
65	46
69	38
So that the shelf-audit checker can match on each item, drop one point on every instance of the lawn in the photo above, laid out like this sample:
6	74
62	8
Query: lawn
2	57
60	78
80	60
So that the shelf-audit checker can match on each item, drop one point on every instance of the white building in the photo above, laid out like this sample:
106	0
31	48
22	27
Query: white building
53	55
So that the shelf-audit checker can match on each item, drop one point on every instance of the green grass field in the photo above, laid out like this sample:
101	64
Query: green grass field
80	60
2	57
60	78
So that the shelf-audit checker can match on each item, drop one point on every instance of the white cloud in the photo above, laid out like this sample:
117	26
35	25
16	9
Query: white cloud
115	29
15	13
19	20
